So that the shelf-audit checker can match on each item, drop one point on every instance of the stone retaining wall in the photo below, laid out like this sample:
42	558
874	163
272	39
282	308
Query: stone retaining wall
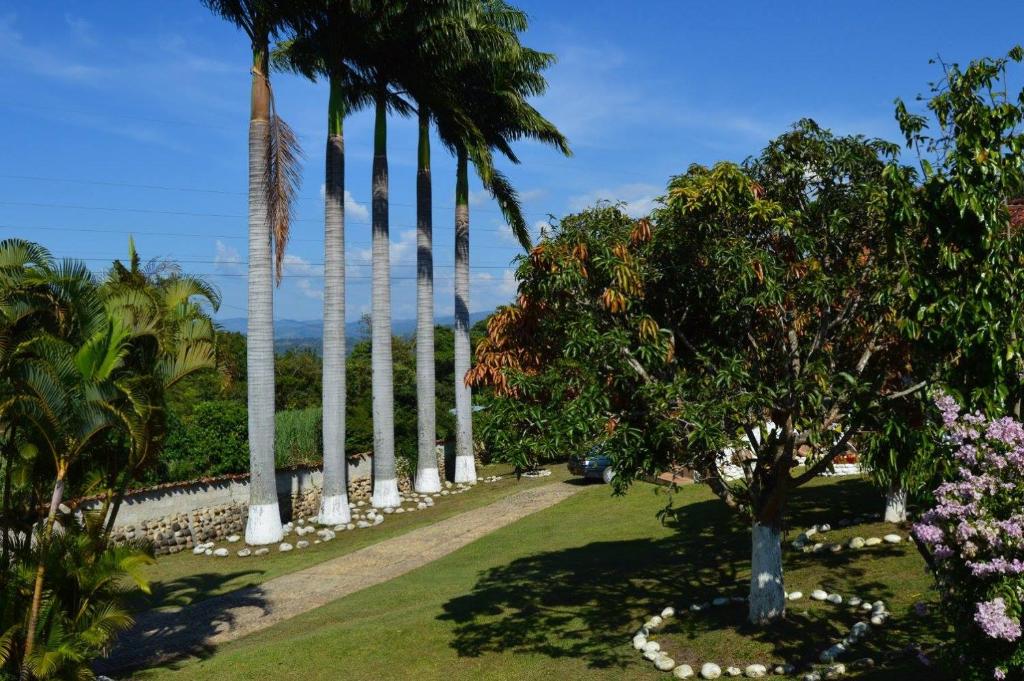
177	517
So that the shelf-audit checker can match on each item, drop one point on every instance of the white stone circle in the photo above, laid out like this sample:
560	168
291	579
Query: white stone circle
651	650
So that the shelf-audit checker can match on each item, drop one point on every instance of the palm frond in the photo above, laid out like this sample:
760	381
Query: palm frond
283	178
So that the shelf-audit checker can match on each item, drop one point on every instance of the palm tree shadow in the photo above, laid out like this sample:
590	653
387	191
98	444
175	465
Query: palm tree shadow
165	637
586	602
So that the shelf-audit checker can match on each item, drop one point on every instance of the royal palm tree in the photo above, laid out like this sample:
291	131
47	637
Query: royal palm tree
387	38
494	85
443	41
319	50
273	184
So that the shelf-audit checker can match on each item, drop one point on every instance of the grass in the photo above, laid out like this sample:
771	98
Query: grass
183	578
559	594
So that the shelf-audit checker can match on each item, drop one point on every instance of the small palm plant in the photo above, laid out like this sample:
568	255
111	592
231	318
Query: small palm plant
81	609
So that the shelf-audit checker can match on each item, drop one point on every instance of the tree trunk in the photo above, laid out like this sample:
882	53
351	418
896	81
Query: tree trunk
37	590
427	479
385	482
896	505
465	467
114	507
5	505
264	522
767	595
334	495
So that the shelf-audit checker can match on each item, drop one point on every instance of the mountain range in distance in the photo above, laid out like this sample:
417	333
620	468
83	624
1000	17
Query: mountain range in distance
294	332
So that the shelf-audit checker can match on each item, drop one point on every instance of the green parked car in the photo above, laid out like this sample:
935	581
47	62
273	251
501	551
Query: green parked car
593	465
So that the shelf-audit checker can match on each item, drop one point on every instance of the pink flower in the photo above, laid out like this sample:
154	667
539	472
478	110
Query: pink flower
992	618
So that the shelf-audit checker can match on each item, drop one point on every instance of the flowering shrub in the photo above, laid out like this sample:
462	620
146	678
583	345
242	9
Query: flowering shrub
975	538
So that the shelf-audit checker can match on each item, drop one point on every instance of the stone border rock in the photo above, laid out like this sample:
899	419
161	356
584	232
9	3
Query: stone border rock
803	541
651	650
364	516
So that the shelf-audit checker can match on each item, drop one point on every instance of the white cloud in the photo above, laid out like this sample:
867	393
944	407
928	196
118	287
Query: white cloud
638	198
227	259
305	275
479	197
488	290
353	209
401	248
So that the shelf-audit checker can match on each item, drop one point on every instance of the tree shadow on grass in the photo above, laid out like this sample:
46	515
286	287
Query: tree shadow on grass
166	636
586	602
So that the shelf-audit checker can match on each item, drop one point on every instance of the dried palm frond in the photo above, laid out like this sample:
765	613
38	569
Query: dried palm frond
283	179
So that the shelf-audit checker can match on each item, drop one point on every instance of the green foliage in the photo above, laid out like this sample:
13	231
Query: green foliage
212	440
82	607
299	437
85	366
967	274
298	377
964	325
226	382
758	299
359	419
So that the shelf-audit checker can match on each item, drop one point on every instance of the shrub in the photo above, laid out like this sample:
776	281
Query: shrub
213	440
83	603
974	538
298	437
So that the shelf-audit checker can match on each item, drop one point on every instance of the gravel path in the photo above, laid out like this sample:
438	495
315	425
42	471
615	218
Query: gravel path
159	637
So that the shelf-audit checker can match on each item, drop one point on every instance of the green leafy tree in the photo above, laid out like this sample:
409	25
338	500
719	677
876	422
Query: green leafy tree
748	316
962	334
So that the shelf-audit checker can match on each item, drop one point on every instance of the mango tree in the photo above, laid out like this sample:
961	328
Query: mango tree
749	314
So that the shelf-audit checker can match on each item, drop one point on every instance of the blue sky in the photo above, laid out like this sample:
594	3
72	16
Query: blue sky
130	118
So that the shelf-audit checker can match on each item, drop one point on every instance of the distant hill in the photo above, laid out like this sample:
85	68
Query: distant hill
297	333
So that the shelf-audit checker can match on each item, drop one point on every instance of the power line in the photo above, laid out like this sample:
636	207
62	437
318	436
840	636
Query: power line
304	263
136	232
219	192
178	213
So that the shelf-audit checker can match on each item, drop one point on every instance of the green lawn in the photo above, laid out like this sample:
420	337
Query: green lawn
183	578
557	595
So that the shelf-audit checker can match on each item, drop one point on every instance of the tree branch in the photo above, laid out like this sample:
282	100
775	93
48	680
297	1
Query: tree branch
912	389
826	460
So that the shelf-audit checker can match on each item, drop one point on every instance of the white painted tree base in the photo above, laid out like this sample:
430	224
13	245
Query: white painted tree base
896	506
385	494
767	595
334	510
264	525
465	469
428	481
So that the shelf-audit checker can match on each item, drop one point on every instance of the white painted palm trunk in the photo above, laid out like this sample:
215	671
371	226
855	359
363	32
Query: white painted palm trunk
334	500
385	481
264	522
428	480
767	594
896	505
465	466
334	510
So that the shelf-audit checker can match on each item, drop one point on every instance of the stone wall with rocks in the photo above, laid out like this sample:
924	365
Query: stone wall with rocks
180	516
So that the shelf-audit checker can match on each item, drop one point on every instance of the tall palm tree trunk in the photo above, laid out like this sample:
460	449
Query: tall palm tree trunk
264	523
465	467
334	495
37	588
385	482
427	479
